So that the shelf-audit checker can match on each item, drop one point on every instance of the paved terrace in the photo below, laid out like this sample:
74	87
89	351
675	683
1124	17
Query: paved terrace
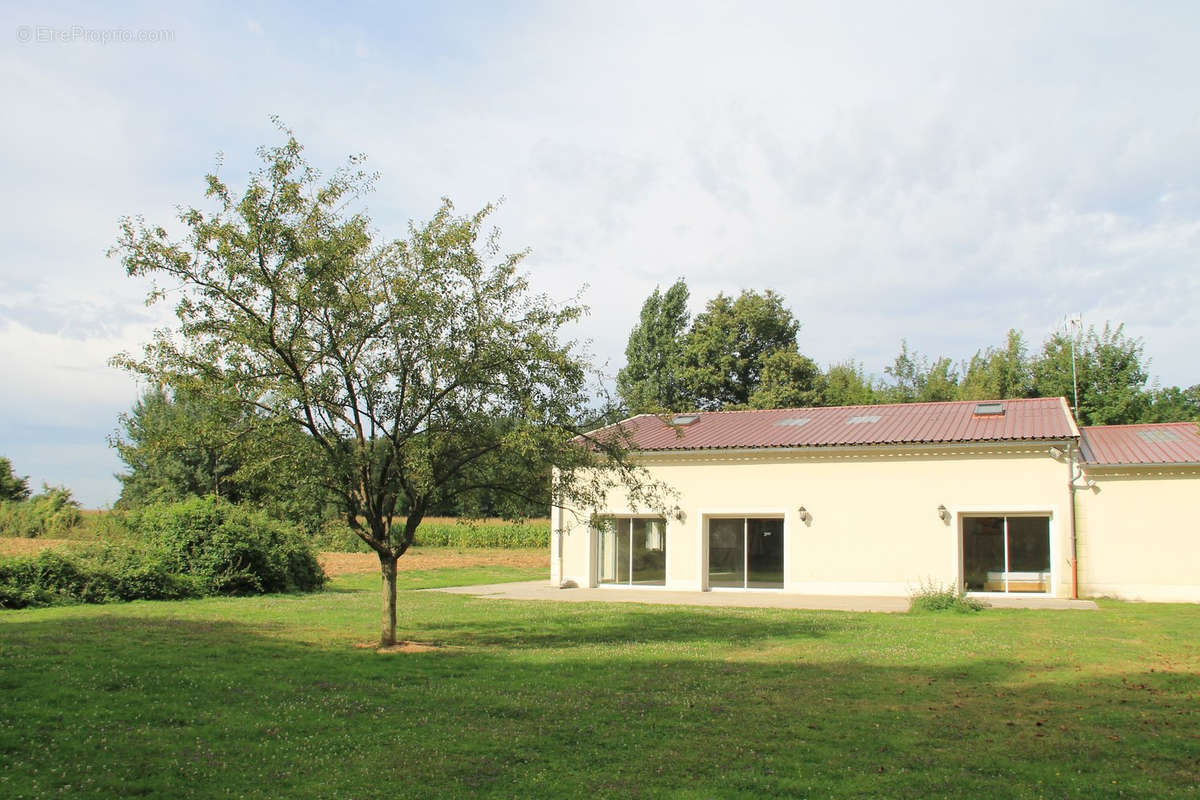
543	590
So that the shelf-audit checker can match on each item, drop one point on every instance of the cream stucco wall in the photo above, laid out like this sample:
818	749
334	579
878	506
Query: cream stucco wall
874	527
1138	534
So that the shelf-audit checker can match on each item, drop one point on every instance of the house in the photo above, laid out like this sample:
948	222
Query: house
1138	534
996	497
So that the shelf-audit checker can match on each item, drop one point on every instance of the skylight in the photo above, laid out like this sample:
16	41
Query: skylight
684	419
1158	436
864	419
795	422
989	410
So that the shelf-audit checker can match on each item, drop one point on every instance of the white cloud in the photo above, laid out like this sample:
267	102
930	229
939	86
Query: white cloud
930	171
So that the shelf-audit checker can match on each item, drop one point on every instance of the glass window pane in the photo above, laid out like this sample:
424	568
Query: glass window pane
606	551
649	552
1028	554
726	554
764	553
983	554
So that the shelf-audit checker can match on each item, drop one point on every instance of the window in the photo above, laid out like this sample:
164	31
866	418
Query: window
745	553
1006	554
632	551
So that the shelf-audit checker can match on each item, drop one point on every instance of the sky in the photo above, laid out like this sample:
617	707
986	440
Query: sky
937	172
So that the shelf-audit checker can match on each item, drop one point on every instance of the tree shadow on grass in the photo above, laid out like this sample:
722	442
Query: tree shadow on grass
587	624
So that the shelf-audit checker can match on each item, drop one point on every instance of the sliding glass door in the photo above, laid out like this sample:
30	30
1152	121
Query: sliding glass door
632	551
1006	554
745	553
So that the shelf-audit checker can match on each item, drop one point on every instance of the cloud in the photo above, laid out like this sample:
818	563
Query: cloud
939	173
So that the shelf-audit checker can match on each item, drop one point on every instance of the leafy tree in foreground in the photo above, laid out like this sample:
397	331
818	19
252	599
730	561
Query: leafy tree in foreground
649	382
12	487
418	367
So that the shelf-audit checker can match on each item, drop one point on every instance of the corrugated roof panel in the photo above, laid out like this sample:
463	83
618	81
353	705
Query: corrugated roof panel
1150	443
913	423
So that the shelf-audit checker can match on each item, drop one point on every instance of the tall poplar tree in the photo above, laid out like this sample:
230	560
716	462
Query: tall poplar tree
650	382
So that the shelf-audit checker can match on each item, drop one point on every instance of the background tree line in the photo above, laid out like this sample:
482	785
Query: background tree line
742	352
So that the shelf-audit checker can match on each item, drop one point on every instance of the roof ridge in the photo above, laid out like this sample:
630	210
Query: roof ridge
856	405
1137	425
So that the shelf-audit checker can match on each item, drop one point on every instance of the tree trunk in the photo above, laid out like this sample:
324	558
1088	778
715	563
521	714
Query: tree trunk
387	635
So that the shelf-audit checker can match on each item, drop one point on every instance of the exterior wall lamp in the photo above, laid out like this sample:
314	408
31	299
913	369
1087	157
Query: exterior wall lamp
943	514
805	517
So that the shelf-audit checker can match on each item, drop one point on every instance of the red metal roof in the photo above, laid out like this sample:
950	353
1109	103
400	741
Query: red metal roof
909	423
1151	443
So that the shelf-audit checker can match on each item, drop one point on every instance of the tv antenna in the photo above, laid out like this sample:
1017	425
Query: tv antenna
1074	324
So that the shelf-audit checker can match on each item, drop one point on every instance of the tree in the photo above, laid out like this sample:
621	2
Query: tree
846	384
726	348
12	487
915	380
1172	404
418	366
788	380
1109	369
998	374
649	382
182	443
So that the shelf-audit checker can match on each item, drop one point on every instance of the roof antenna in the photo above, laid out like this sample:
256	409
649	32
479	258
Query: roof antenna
1074	323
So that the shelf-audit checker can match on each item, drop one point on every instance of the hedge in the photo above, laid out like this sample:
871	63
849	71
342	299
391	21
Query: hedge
202	546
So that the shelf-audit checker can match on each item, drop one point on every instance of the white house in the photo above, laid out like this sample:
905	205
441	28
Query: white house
996	497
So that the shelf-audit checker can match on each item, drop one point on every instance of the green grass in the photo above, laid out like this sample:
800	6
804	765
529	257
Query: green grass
270	697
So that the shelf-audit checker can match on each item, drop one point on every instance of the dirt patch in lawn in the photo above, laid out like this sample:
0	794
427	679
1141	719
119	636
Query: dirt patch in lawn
433	558
29	547
401	647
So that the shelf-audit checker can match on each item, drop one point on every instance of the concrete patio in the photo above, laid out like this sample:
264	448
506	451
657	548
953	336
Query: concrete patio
543	590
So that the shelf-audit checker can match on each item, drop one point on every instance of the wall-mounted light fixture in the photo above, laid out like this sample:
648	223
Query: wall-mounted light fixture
805	517
1055	452
943	514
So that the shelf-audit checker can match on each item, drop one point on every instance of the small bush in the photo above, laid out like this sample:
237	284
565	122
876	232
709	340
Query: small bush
229	549
53	513
930	596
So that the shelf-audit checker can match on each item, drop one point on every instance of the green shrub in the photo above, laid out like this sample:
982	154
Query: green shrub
54	578
52	513
931	596
229	549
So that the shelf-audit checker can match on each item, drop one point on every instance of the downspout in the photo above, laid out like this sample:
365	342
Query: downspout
1071	517
559	535
556	513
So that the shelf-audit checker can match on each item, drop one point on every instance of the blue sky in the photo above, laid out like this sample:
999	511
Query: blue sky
940	172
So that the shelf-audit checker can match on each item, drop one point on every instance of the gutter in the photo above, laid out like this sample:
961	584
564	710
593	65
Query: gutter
1143	464
906	447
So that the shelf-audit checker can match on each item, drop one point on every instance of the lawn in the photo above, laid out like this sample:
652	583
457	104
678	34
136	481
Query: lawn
273	697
